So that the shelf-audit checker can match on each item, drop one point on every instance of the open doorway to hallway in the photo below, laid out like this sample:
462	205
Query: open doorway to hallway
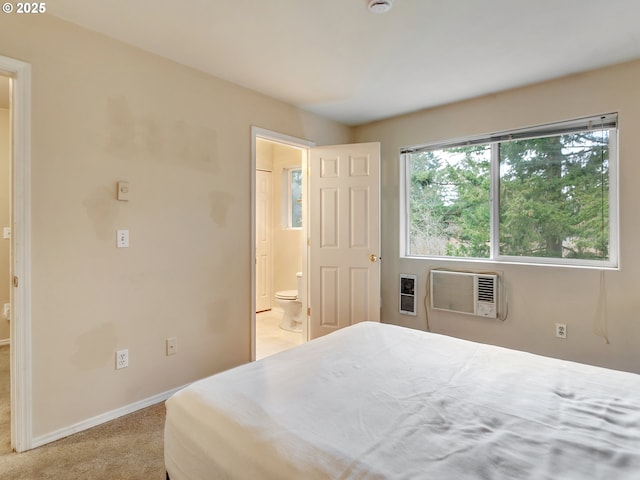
5	262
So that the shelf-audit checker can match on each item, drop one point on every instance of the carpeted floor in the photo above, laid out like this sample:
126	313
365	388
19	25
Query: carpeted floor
130	447
5	403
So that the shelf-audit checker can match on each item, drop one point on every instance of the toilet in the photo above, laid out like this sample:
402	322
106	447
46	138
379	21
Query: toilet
289	302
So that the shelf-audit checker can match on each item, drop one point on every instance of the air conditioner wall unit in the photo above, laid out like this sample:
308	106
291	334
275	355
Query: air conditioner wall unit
463	292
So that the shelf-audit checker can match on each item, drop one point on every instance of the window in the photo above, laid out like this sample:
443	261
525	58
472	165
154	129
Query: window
546	194
292	201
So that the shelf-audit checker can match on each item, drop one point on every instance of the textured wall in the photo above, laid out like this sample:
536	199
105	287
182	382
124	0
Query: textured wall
102	112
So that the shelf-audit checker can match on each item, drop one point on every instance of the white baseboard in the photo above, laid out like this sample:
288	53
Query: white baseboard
102	418
5	341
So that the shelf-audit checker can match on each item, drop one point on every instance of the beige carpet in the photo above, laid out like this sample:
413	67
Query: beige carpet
5	403
130	447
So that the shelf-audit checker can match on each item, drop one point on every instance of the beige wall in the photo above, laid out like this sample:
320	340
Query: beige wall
538	296
103	112
287	243
5	185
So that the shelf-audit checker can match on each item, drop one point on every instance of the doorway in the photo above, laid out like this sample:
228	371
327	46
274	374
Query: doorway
5	262
279	238
341	246
20	246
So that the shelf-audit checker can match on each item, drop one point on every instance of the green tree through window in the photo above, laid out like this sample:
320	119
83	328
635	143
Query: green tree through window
296	197
552	194
554	197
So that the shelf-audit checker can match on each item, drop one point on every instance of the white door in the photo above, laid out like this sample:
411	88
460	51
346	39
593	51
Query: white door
344	236
263	240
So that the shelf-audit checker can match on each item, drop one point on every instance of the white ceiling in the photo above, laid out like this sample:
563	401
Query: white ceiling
334	58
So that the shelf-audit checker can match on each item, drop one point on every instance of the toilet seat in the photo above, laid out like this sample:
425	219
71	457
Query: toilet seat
287	295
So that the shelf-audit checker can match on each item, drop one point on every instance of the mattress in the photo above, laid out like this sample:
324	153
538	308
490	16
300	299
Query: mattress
375	401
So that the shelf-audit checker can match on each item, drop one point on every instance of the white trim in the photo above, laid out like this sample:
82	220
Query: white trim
403	229
526	261
6	341
103	418
21	367
257	132
614	199
494	202
281	138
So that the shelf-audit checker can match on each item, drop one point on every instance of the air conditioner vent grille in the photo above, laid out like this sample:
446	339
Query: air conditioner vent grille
486	290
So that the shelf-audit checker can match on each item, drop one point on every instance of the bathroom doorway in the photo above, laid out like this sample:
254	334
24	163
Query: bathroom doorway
280	241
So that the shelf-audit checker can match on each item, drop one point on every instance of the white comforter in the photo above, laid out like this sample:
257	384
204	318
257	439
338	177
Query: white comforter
375	401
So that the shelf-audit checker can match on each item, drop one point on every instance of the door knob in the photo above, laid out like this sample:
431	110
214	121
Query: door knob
374	258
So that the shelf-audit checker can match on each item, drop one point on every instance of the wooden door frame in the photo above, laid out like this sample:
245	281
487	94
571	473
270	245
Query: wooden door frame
20	328
270	135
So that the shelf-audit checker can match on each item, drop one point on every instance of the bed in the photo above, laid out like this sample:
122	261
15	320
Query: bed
375	401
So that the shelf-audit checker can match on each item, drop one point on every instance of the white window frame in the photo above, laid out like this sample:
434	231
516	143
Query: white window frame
613	262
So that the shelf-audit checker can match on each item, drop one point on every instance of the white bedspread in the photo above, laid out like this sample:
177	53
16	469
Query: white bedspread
376	401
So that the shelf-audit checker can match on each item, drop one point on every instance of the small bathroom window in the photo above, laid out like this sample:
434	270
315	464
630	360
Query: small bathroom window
292	198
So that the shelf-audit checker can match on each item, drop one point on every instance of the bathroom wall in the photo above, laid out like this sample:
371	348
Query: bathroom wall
264	155
5	185
287	243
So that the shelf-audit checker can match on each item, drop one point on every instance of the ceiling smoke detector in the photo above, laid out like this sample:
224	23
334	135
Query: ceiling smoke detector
379	6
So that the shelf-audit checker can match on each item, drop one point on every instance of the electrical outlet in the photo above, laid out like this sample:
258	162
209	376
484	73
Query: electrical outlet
561	330
122	359
122	238
172	346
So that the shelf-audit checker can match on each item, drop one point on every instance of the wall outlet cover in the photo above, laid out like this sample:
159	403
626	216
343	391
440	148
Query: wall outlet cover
122	359
122	239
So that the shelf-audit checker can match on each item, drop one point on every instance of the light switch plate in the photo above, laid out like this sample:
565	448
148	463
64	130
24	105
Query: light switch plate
172	346
123	191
